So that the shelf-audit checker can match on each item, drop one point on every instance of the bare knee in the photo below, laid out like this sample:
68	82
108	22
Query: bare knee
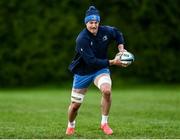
106	90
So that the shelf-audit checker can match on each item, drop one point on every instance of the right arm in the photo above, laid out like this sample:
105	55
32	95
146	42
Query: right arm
118	37
82	47
117	62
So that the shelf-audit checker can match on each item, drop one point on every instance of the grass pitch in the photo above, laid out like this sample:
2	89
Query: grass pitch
141	112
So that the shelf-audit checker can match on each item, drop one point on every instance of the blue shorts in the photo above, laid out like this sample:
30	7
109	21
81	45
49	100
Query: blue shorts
84	81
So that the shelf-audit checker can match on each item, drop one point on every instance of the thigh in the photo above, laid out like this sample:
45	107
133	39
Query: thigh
80	85
82	82
80	91
77	95
104	80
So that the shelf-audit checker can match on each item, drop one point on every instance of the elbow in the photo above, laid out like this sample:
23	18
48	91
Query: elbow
91	62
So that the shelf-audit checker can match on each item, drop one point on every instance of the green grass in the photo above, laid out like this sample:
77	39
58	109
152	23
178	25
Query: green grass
141	112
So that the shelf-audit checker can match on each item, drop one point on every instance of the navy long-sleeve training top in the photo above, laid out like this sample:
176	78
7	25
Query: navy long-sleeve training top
91	51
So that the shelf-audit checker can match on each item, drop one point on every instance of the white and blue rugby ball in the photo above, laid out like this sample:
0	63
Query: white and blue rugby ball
126	57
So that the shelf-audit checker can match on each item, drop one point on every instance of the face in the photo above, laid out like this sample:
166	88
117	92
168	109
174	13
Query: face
92	27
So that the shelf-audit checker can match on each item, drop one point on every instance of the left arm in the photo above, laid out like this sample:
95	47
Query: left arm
118	37
121	48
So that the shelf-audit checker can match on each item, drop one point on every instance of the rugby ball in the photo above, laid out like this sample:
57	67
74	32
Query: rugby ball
126	57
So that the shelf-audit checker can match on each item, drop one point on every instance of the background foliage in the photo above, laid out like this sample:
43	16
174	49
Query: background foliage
37	39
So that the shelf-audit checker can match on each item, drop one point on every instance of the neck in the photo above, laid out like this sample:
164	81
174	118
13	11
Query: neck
94	34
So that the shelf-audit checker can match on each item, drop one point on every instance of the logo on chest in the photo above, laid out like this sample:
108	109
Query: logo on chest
91	43
105	38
